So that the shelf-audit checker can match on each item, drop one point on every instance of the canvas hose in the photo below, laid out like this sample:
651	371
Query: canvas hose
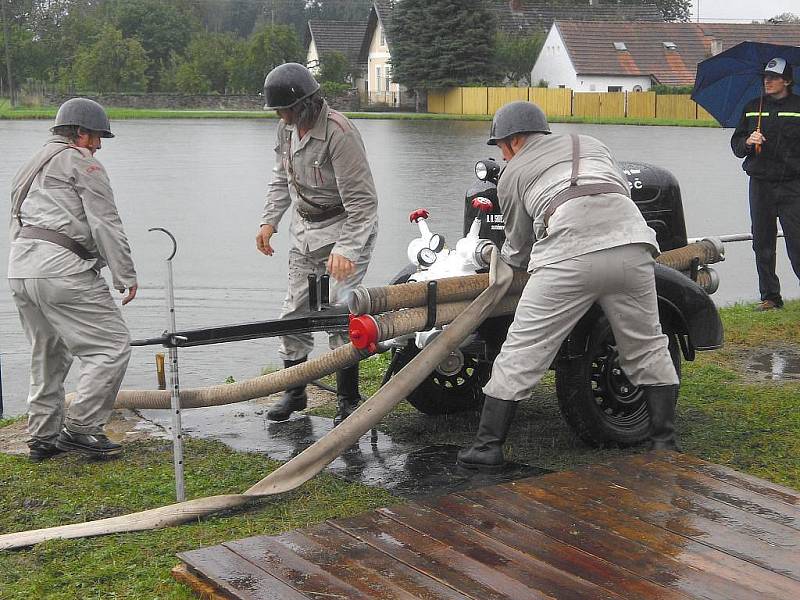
376	300
312	460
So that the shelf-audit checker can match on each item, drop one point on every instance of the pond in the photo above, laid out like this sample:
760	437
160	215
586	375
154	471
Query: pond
204	180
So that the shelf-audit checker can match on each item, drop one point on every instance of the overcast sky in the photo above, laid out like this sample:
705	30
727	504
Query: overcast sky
742	10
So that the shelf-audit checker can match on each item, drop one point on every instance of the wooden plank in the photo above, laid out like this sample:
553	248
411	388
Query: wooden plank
558	554
352	562
203	589
436	559
728	475
237	577
512	562
753	503
649	551
475	100
655	507
663	483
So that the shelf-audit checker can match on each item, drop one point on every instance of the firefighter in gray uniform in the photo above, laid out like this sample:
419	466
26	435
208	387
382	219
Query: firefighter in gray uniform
570	221
64	229
321	171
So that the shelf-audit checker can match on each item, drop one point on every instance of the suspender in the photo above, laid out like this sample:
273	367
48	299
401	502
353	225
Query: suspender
574	190
326	212
40	233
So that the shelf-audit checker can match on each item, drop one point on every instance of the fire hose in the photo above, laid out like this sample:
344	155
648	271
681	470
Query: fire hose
312	460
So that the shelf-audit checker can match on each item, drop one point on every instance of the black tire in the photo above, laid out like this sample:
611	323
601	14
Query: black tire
597	400
441	394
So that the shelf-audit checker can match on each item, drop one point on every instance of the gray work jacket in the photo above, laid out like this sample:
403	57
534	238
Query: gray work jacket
540	170
328	167
71	195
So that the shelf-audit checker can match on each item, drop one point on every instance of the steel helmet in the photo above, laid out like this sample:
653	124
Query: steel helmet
288	84
517	117
84	113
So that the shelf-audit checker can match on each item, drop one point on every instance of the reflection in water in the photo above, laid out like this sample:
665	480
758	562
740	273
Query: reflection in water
776	365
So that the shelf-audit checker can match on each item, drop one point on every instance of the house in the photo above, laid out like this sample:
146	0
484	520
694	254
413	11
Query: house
376	85
323	37
633	56
531	17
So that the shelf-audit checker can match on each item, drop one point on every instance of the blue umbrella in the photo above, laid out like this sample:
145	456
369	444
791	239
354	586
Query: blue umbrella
725	83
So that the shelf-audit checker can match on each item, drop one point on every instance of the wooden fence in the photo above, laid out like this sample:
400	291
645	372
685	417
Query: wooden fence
562	102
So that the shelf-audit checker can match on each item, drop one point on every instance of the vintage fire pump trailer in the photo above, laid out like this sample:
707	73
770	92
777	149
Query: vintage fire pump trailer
594	395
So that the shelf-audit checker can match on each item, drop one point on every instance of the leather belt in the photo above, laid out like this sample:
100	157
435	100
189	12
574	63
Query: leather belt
334	211
40	233
576	191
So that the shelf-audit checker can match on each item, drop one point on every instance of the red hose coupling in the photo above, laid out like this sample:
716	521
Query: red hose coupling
364	332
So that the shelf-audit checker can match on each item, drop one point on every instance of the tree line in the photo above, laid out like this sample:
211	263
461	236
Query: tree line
192	46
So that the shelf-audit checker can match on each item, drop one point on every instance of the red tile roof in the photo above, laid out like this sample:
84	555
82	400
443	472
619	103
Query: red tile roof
591	46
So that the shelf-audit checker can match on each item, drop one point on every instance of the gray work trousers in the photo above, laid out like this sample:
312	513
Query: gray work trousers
66	317
295	347
622	281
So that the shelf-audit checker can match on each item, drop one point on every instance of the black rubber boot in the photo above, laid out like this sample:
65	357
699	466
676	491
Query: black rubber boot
347	395
661	400
486	453
293	398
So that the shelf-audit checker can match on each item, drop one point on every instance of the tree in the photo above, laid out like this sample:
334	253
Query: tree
112	64
441	43
786	17
334	67
208	63
267	48
159	27
675	10
515	55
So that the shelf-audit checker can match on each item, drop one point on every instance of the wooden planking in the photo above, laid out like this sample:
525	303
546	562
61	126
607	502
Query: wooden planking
642	550
323	560
651	526
202	588
236	576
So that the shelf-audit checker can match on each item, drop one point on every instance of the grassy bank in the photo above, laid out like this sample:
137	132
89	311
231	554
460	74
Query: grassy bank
22	113
726	415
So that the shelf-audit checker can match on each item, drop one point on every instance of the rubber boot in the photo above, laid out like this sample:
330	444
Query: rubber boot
661	400
293	398
486	453
347	395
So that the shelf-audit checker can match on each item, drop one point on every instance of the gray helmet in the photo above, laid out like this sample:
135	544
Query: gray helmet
288	84
84	113
517	117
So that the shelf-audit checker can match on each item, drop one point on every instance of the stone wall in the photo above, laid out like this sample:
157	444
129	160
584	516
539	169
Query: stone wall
347	101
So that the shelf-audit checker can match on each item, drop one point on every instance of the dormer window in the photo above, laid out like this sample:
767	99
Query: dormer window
620	46
670	45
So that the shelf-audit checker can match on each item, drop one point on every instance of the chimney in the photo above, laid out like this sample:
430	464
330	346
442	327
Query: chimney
515	6
594	2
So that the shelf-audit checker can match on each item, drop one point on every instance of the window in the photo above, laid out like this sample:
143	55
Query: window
388	78
670	45
383	36
620	46
615	88
378	79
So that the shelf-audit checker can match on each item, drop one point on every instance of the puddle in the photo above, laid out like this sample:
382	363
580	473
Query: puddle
405	470
778	365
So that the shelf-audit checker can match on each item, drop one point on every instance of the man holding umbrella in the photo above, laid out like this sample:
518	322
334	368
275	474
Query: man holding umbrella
768	138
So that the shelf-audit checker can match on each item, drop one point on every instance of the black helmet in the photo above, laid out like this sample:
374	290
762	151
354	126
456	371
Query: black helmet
288	84
517	117
84	113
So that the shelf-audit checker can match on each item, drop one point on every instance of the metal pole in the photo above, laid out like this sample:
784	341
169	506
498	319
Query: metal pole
734	237
175	394
1	387
6	36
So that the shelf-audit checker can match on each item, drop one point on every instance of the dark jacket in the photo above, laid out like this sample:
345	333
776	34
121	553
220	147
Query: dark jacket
779	159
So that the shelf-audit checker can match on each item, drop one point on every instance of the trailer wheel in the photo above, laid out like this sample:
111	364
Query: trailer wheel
444	394
596	398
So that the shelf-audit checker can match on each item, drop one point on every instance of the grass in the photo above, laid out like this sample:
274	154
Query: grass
44	112
725	416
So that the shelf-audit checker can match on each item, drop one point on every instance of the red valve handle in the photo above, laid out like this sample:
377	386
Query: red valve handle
418	214
364	332
482	204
